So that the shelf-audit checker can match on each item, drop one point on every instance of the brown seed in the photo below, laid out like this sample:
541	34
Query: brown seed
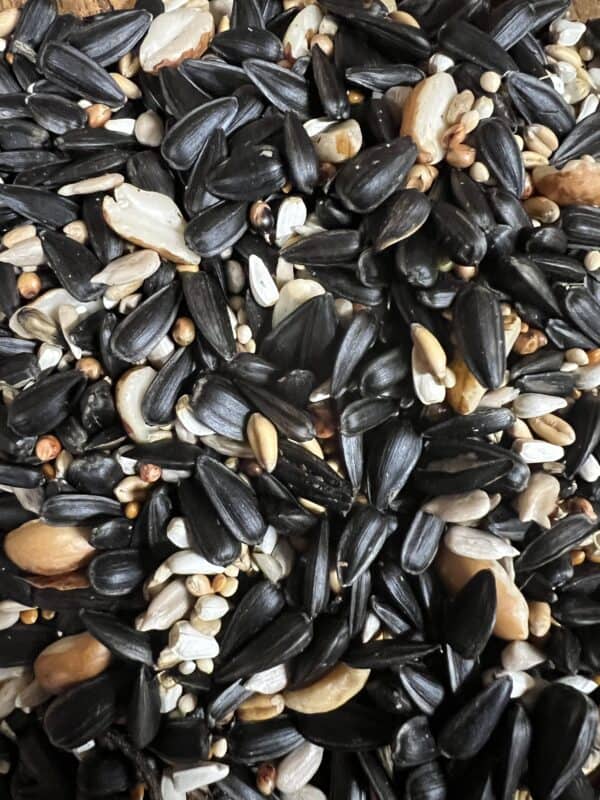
530	342
129	65
466	394
29	285
594	356
580	505
331	691
150	473
323	419
404	18
542	209
183	331
512	612
48	471
46	549
47	448
98	115
461	156
91	368
266	776
137	792
261	707
69	661
540	618
47	613
29	617
263	439
578	182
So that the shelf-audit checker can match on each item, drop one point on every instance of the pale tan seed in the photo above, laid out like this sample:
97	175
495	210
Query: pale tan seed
404	18
576	355
553	429
103	183
261	707
462	103
421	177
430	349
562	53
539	500
532	159
541	139
129	65
263	439
479	172
77	230
423	117
8	21
540	618
490	81
130	89
18	234
331	691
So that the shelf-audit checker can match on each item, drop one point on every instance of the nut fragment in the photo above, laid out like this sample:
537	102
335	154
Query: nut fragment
69	661
331	691
174	36
46	549
424	117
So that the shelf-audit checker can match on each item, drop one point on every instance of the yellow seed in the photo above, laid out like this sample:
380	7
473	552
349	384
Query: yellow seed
29	617
132	509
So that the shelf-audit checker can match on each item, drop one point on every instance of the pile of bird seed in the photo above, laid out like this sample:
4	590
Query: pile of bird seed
300	425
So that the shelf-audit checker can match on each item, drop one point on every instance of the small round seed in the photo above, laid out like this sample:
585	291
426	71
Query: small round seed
490	81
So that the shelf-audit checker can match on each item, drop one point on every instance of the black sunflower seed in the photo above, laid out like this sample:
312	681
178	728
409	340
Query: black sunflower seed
185	140
330	86
479	330
73	264
472	615
467	732
391	462
105	39
288	635
123	641
330	641
353	727
538	101
360	543
247	175
208	535
256	609
420	543
216	228
142	330
206	303
253	743
464	41
282	87
45	404
116	572
234	501
76	72
555	760
39	205
367	180
81	713
497	147
382	78
458	235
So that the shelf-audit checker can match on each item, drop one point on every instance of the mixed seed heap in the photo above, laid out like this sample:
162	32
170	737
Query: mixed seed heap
300	425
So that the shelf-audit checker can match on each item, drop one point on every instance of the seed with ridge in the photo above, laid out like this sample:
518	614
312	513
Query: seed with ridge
263	439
